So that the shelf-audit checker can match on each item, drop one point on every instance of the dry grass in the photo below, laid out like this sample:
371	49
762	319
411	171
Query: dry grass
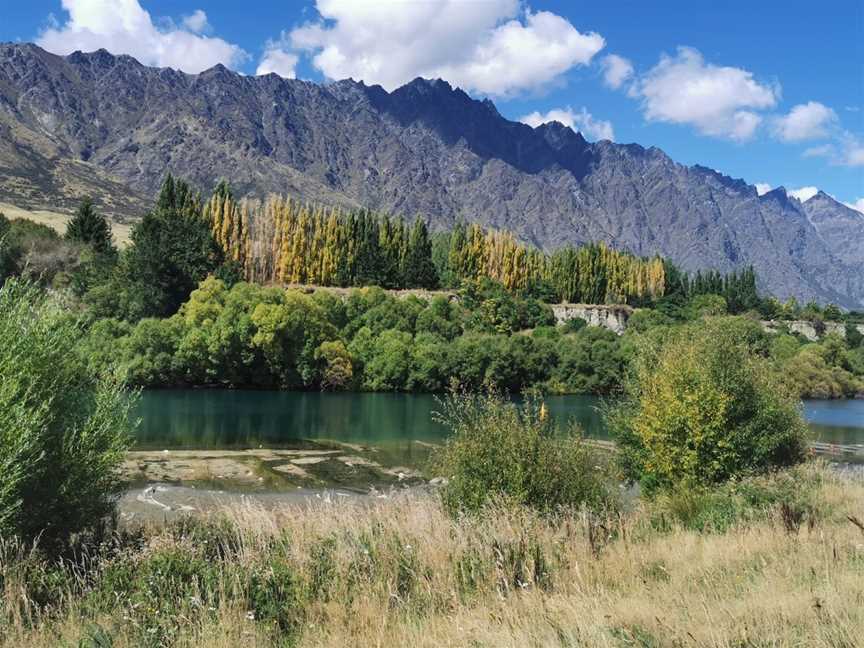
57	221
401	573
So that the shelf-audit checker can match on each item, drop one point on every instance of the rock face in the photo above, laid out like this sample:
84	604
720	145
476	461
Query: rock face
807	329
109	126
613	318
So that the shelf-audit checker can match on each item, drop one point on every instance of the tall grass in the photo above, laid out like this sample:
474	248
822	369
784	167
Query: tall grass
404	572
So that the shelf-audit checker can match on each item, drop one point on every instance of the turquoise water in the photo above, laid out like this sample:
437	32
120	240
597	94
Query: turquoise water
246	419
837	421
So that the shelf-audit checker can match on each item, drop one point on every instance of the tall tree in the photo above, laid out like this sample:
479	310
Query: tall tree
420	271
172	250
91	228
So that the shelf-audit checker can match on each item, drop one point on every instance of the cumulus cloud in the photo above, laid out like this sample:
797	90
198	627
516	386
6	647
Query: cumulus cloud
278	61
583	121
124	27
617	70
492	47
716	100
803	193
762	188
196	22
812	120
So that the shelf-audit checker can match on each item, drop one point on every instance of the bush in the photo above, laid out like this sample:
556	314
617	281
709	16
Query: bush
63	432
702	407
500	450
810	376
740	502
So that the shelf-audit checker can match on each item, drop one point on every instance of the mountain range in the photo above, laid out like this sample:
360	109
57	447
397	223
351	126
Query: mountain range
106	126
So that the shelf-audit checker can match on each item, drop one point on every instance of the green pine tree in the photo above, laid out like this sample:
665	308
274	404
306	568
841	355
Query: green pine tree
91	228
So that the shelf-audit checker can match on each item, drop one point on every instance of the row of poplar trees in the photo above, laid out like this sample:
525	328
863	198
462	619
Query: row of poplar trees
281	240
592	274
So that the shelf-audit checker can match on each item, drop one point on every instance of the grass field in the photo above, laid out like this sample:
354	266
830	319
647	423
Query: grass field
399	572
57	221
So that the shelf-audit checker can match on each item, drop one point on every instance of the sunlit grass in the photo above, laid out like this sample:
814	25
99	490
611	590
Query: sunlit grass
400	572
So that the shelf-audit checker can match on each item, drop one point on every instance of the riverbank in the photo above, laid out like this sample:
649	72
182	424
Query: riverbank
308	465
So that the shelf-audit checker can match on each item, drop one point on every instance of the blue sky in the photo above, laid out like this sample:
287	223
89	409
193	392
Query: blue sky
769	91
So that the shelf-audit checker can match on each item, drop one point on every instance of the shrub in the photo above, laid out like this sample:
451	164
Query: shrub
810	376
745	501
500	450
63	432
702	407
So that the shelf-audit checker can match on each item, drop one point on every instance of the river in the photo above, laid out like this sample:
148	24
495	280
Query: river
210	419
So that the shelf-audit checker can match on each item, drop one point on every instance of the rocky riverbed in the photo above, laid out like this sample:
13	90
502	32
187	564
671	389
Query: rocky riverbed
171	482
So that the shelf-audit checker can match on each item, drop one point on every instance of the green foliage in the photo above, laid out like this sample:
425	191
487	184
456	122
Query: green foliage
707	305
498	450
63	431
336	367
811	375
703	406
171	250
720	507
823	369
252	336
645	319
90	228
854	337
832	313
8	254
737	288
592	362
388	361
36	252
493	309
784	347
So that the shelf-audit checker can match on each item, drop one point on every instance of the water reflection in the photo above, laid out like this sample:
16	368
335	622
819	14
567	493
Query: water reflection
247	419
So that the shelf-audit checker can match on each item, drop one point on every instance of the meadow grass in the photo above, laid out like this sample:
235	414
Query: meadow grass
768	562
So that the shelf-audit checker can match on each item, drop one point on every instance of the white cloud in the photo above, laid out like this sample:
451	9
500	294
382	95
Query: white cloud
718	101
853	151
124	27
812	120
616	70
278	61
803	193
762	188
492	47
583	121
824	150
847	151
858	205
196	22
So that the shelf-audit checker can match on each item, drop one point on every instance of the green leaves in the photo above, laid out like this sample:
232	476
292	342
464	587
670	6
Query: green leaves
501	451
63	431
90	228
703	406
